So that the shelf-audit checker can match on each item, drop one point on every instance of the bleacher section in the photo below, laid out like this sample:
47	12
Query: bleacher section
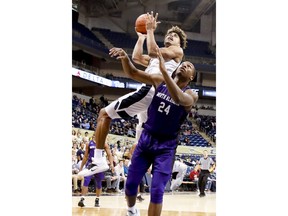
198	48
193	157
194	140
194	48
205	67
83	35
117	39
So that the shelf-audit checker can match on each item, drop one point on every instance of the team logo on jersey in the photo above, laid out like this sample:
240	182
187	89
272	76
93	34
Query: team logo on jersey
165	97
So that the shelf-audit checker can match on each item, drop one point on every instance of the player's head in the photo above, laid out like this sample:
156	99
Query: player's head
186	71
175	36
205	153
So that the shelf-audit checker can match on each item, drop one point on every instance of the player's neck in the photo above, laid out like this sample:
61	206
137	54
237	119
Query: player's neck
181	84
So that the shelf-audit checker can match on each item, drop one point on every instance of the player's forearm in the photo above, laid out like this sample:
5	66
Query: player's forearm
128	67
138	49
151	44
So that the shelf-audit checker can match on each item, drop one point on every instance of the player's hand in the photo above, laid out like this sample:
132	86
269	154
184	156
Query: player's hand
140	35
151	23
119	53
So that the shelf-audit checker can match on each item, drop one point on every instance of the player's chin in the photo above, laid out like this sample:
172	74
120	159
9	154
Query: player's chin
167	44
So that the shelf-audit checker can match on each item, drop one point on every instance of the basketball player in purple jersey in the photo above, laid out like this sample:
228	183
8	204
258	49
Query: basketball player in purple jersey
171	103
137	102
98	177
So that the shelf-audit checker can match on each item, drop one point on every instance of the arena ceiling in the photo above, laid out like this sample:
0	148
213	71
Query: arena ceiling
122	13
184	13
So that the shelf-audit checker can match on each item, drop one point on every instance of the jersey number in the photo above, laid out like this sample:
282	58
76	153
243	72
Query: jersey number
162	108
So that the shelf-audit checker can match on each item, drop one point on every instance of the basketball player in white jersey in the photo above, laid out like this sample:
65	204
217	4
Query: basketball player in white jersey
172	53
137	102
178	173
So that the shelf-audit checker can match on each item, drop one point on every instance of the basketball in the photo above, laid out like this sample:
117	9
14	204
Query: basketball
140	24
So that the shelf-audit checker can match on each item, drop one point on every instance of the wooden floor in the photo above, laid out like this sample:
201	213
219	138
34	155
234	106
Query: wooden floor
174	204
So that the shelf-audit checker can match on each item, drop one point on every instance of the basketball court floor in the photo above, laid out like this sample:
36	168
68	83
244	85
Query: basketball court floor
174	204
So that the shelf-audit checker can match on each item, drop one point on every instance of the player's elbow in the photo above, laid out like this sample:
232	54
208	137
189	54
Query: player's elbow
136	59
177	100
152	53
132	73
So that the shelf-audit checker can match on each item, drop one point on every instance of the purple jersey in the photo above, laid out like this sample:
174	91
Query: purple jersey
92	146
164	115
98	177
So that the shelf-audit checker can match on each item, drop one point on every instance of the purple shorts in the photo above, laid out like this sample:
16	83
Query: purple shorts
158	153
98	177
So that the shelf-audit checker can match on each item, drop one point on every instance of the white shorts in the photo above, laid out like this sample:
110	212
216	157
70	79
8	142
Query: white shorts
131	104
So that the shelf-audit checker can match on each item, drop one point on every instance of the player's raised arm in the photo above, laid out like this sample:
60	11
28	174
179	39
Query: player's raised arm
132	71
151	25
187	98
137	55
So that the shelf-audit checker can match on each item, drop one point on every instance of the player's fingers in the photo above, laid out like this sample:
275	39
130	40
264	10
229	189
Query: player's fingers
156	16
115	51
112	52
149	16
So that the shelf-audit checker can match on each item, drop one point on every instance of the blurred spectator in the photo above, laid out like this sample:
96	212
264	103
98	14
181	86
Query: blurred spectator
211	182
79	137
119	170
75	177
111	177
85	124
86	138
194	174
130	133
74	148
81	151
73	134
103	102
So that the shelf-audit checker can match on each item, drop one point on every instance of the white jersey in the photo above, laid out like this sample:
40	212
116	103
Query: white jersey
153	67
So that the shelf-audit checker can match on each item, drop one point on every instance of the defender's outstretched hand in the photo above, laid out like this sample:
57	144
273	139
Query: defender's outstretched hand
119	53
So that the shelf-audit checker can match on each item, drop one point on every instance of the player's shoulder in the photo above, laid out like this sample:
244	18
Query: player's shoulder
173	47
191	92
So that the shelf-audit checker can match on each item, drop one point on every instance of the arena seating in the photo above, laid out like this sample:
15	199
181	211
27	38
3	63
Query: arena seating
118	39
83	35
